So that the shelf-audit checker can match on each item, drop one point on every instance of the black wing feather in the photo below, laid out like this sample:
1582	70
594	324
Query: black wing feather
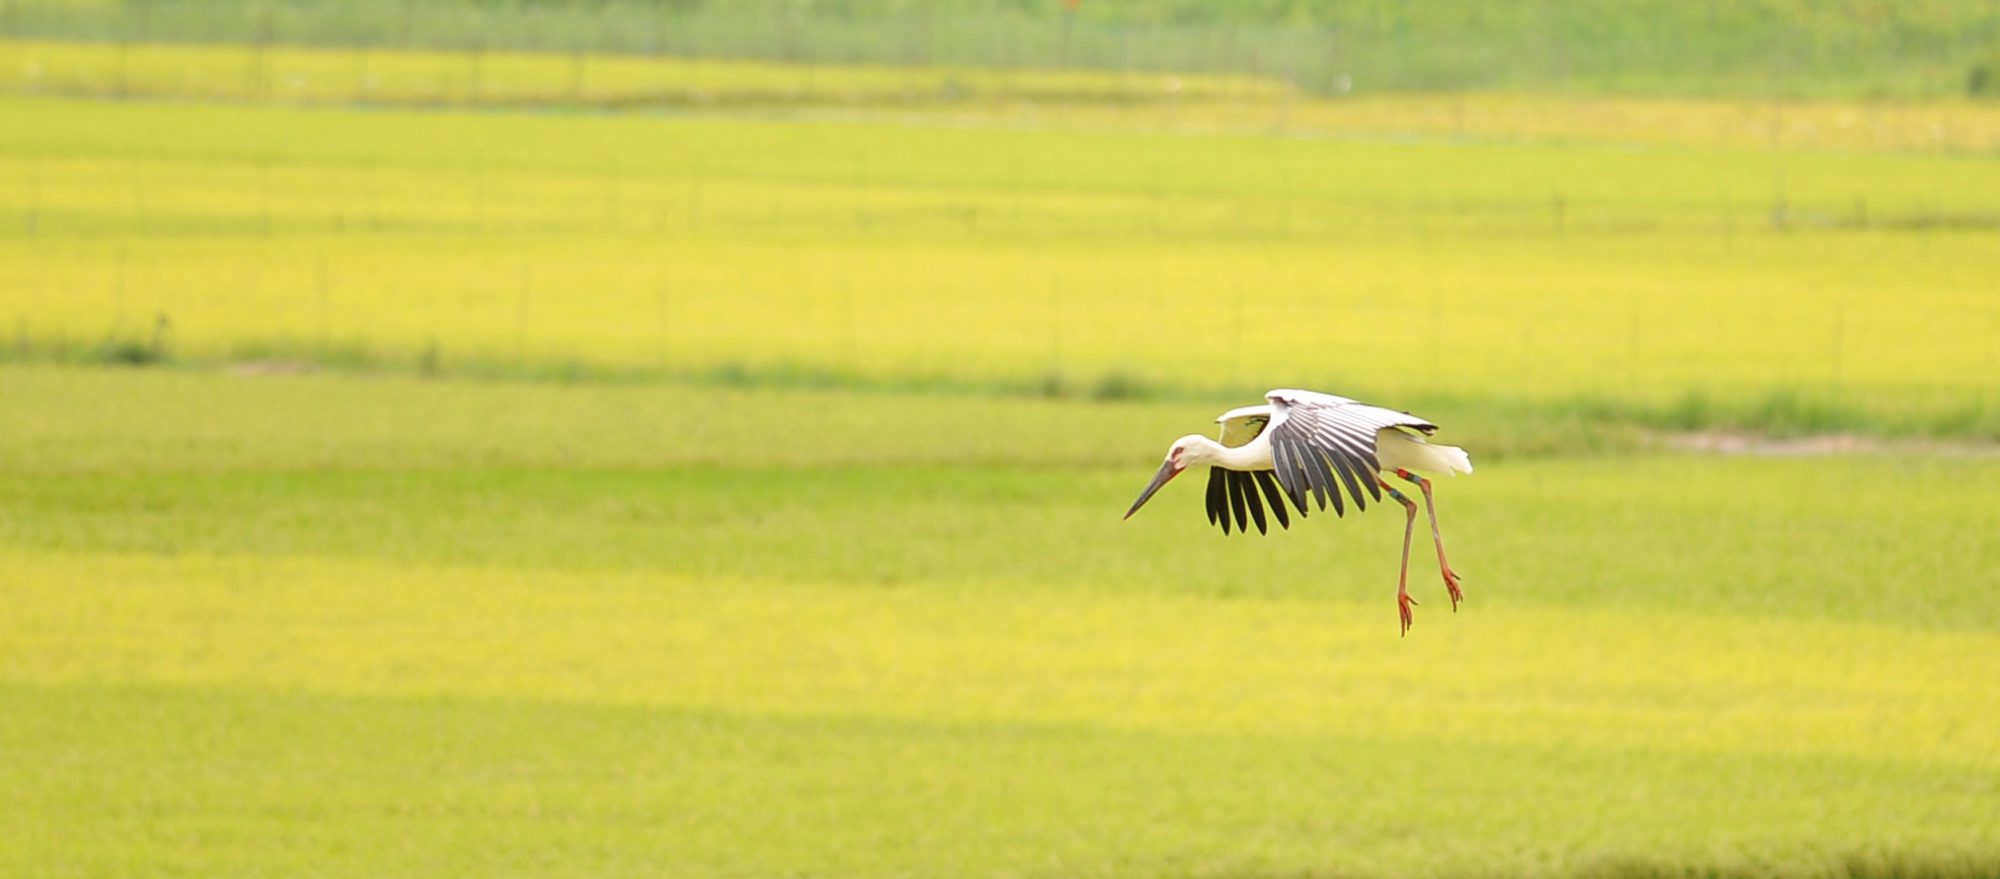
1322	467
1236	480
1345	464
1321	448
1255	504
1270	487
1286	463
1316	476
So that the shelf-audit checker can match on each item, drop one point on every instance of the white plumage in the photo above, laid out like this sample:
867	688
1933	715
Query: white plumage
1308	445
1401	451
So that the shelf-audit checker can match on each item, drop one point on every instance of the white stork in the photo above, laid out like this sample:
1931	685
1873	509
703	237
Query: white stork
1311	444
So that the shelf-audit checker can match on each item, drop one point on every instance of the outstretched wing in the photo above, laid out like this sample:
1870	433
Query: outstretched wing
1320	442
1239	426
1236	491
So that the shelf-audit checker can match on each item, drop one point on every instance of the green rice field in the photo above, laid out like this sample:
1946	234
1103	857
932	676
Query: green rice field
580	478
1589	274
347	626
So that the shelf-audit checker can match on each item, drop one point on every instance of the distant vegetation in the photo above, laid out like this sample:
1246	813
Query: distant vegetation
1849	48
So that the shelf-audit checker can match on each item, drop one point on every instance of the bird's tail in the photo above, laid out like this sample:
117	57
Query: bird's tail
1452	458
1400	451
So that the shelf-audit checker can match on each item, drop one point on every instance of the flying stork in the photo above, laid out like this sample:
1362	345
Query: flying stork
1311	444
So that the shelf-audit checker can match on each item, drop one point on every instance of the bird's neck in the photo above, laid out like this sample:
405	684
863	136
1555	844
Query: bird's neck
1244	457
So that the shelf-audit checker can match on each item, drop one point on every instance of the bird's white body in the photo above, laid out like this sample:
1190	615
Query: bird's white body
1401	451
1395	447
1307	445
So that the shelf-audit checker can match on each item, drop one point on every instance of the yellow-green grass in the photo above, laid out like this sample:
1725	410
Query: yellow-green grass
191	714
1740	123
264	625
294	74
1150	100
154	461
874	250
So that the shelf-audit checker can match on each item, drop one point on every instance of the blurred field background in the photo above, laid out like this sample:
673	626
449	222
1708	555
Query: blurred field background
681	438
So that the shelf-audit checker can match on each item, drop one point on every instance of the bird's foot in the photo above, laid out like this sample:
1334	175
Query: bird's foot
1403	605
1451	586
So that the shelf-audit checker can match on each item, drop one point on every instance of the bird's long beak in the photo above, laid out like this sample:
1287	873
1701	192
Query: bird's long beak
1167	471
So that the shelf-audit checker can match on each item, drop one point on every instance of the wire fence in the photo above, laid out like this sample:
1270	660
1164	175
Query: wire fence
309	223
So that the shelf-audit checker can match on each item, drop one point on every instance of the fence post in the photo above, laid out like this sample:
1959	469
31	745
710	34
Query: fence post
260	53
1240	330
1728	220
31	218
667	318
1780	209
1632	350
365	78
929	39
1437	332
614	185
375	195
698	180
521	315
1020	188
474	57
264	185
118	292
322	287
658	36
1068	25
852	319
139	191
479	197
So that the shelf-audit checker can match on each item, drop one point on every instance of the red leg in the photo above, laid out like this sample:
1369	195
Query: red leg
1403	600
1437	539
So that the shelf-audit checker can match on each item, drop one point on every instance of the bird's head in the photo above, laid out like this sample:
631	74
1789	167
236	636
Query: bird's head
1184	453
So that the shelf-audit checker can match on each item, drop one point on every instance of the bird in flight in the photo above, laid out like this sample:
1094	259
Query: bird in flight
1305	444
